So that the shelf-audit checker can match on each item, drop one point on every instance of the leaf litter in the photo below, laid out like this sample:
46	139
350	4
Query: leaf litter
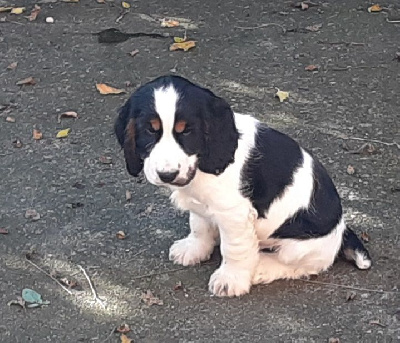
149	299
63	133
29	81
34	13
282	95
105	89
185	46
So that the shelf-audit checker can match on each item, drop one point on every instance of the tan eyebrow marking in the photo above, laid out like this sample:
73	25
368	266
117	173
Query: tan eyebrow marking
155	124
180	126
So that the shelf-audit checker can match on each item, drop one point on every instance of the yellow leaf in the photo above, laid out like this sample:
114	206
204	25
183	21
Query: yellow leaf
104	89
282	95
179	39
5	9
125	4
169	23
63	133
125	339
17	10
185	46
374	8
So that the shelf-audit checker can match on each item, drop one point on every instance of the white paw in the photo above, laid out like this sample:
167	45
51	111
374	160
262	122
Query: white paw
190	251
230	282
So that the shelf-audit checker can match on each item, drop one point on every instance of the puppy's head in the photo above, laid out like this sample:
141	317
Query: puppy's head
172	127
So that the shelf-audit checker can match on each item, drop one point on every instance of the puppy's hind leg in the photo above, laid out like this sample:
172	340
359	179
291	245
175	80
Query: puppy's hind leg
353	250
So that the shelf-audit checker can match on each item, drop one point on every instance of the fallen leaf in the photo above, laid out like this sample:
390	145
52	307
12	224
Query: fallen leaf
128	195
10	119
149	299
3	231
365	149
121	235
105	159
5	9
180	39
282	95
37	135
178	286
311	67
365	236
304	6
17	143
185	46
63	133
18	10
34	13
69	283
28	81
32	214
377	322
125	339
134	53
69	114
350	170
124	328
351	295
334	340
375	8
125	4
19	302
12	66
104	89
169	23
314	28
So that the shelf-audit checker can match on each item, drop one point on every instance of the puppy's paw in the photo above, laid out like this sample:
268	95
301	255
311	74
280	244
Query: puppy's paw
190	251
230	282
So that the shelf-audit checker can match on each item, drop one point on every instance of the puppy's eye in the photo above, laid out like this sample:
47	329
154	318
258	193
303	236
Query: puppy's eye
181	127
151	130
155	126
187	131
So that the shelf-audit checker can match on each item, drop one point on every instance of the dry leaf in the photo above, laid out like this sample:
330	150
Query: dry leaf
128	195
282	95
104	89
365	236
314	28
125	339
125	4
105	159
12	66
5	9
377	322
311	67
149	299
169	23
334	340
3	231
121	235
124	328
180	39
37	135
351	295
375	8
185	46
365	149
10	119
178	286
304	6
350	170
69	114
133	53
34	13
69	283
18	10
32	214
63	133
17	143
28	81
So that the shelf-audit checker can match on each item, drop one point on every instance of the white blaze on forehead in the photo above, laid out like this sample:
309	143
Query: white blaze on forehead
165	100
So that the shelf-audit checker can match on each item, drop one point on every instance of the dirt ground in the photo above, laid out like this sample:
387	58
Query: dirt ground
351	99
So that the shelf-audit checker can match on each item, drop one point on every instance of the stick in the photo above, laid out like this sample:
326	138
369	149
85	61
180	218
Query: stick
94	292
349	287
375	141
260	27
50	276
109	336
393	21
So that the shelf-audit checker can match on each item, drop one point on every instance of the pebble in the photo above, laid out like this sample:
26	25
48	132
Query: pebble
50	20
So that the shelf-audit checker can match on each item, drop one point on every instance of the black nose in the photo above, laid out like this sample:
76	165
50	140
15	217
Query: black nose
168	176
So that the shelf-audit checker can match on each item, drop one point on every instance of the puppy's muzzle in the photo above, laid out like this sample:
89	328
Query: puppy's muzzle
168	177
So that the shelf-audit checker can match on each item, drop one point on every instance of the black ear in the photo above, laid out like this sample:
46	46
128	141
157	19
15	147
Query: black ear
125	131
221	137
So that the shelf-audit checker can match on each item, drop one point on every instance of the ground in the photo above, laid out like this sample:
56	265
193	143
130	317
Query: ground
351	99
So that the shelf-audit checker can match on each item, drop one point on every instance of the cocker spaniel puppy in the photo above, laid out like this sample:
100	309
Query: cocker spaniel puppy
267	201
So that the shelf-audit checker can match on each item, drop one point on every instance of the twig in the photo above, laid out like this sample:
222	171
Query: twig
121	16
348	287
140	252
340	43
260	27
109	336
393	21
94	292
374	141
50	276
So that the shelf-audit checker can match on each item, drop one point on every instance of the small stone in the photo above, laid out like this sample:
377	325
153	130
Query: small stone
32	214
350	170
50	20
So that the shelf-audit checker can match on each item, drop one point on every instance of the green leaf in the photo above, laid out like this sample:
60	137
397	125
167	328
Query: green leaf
30	296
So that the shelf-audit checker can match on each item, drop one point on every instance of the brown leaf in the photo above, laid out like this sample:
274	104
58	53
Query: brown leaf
311	67
375	8
149	299
121	235
178	286
133	53
34	13
105	159
185	46
17	143
69	283
12	66
28	81
377	322
37	135
124	328
365	149
351	295
350	170
334	340
126	339
365	236
3	231
10	119
314	28
104	89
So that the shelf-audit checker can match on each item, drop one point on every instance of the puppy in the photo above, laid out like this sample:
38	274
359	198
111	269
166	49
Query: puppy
269	204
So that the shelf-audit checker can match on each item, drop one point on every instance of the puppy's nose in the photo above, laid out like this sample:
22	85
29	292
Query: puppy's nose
168	177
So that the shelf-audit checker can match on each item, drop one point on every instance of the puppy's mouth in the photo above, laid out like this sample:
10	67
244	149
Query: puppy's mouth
181	182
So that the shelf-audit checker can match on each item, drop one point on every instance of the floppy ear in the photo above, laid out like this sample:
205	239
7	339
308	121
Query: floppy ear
221	137
126	132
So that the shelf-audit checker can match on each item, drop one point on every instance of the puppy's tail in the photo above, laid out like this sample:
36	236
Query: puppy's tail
353	250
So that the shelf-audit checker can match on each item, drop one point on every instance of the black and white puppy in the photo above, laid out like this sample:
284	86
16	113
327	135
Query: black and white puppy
270	204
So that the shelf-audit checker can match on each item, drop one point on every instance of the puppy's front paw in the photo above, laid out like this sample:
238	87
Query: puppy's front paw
190	251
230	282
